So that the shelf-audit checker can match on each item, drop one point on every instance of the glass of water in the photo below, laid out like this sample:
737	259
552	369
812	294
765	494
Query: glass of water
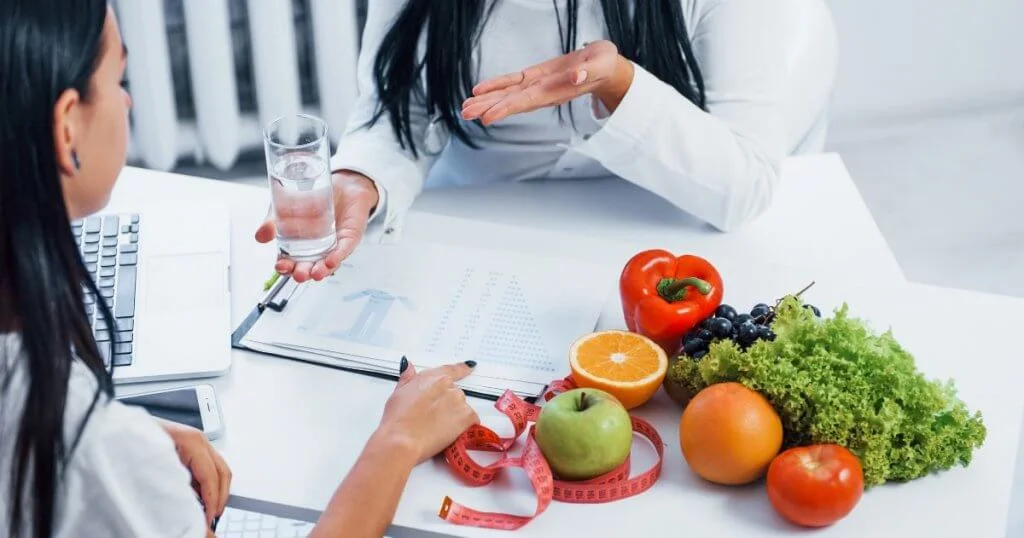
302	198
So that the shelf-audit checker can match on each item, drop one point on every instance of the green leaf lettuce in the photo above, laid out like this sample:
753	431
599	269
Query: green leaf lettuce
833	381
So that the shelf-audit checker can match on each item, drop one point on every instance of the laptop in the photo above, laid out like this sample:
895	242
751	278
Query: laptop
165	276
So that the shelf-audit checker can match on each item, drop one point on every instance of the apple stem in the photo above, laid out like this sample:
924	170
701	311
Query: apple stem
584	403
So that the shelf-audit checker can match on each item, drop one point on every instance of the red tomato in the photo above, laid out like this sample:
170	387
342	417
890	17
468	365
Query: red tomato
815	486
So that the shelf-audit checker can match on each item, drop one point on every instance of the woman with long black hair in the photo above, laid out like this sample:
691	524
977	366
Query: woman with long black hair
697	101
73	461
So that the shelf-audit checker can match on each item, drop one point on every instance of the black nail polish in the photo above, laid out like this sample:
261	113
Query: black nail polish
471	364
403	366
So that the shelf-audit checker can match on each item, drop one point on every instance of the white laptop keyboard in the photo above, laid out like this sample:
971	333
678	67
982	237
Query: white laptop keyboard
235	523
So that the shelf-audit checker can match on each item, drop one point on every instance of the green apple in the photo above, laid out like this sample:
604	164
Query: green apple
584	433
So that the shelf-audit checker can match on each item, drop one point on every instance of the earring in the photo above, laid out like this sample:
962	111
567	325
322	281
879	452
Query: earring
75	161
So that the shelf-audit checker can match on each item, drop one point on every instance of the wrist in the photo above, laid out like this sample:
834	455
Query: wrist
395	446
350	180
613	90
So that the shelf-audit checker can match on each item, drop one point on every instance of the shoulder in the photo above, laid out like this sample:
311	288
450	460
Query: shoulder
124	477
805	15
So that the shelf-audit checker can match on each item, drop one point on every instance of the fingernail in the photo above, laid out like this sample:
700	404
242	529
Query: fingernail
581	76
471	364
403	366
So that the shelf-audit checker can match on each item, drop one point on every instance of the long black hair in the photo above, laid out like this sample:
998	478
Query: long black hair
655	37
46	47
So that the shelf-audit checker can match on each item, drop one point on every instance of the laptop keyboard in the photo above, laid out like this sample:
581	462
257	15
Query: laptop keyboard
235	523
109	245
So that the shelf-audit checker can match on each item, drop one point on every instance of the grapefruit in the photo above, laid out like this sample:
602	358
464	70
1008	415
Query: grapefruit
729	434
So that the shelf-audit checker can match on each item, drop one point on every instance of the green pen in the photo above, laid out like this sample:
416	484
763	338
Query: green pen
270	283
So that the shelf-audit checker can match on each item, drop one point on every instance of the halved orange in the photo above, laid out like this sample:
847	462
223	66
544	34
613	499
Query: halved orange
627	365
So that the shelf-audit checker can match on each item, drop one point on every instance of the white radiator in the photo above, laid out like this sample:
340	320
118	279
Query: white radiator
217	130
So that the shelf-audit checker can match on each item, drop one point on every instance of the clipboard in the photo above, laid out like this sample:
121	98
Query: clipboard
276	299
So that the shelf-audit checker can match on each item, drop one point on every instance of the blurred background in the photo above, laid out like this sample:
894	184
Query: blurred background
928	110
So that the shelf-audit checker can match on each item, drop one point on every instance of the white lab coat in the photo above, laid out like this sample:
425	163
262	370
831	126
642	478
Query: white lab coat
768	68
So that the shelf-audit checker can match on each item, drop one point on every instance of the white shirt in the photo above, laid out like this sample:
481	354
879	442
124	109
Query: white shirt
124	478
768	69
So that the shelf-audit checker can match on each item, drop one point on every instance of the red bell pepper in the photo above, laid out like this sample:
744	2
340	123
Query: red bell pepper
665	296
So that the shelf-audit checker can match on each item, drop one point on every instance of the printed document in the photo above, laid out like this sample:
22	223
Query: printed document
515	314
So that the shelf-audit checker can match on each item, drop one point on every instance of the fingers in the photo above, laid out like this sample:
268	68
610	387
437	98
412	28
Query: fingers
351	225
407	375
266	232
284	265
301	205
319	272
351	229
204	472
552	83
552	90
579	76
475	107
346	246
526	76
348	240
302	272
299	218
455	371
529	99
225	480
321	269
499	83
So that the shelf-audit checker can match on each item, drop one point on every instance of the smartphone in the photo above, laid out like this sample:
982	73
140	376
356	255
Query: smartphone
194	406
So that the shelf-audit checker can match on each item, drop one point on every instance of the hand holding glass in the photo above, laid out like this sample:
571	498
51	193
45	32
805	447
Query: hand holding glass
302	196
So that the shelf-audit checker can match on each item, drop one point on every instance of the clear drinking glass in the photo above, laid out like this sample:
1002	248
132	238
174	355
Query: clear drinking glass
302	199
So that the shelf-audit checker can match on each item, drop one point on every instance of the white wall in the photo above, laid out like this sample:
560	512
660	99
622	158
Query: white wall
921	57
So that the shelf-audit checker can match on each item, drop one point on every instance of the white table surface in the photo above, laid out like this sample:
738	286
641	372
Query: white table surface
293	430
818	218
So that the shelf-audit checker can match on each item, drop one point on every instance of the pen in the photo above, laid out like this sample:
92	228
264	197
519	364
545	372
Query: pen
270	293
271	281
279	306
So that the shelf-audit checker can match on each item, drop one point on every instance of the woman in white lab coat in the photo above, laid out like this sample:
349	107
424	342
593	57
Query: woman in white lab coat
697	101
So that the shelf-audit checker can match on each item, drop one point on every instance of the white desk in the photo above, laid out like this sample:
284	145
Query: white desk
818	218
293	430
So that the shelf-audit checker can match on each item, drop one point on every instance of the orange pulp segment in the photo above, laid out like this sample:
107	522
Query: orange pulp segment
627	365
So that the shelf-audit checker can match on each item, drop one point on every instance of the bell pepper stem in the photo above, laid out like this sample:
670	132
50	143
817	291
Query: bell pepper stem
673	290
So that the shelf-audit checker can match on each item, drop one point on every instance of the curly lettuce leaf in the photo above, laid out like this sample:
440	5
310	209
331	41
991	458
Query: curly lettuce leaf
834	381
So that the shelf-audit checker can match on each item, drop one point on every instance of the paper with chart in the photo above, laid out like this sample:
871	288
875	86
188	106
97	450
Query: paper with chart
514	314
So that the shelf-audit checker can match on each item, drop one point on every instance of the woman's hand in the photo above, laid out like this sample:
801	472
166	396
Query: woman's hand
596	69
355	196
427	411
211	477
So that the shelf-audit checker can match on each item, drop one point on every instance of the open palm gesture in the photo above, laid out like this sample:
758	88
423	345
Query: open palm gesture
597	68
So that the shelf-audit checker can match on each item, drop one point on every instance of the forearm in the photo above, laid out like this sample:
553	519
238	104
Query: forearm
721	169
365	502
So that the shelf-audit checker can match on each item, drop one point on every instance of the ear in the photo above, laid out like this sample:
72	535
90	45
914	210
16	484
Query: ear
65	121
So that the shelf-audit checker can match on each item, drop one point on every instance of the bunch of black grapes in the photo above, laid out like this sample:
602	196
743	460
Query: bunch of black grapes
727	323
